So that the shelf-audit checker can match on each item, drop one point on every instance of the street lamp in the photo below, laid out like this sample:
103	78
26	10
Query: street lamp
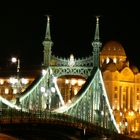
17	61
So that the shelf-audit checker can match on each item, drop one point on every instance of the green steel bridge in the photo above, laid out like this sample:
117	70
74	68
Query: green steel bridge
43	102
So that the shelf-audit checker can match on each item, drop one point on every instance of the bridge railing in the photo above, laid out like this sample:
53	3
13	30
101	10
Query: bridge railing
11	116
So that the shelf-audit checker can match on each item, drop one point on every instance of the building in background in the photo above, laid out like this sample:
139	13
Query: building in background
122	83
10	87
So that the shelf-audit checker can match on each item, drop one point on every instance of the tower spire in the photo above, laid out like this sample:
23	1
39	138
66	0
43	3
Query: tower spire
48	35
96	45
47	43
96	37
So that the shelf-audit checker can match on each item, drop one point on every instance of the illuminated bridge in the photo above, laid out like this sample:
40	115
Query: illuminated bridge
88	112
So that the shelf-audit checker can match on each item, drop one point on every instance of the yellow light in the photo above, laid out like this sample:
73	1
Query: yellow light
13	80
6	91
126	124
80	82
120	123
69	101
75	91
14	91
1	81
66	81
24	81
133	129
73	81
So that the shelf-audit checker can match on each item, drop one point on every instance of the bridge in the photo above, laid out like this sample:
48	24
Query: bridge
42	103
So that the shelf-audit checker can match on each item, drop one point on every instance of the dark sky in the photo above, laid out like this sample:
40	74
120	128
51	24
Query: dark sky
23	25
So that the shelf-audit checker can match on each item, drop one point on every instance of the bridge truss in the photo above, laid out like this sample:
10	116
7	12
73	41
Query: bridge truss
91	104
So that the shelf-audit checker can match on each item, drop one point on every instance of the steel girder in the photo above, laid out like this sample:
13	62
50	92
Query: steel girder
91	104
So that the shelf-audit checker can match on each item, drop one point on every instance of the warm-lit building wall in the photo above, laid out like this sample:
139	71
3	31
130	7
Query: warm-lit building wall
9	91
69	86
122	83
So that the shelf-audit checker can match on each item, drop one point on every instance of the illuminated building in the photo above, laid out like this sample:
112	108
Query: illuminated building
122	83
8	82
69	86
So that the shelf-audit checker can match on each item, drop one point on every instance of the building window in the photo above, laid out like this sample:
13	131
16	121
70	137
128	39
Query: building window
115	60
107	60
14	91
1	81
123	97
138	97
115	95
6	91
115	88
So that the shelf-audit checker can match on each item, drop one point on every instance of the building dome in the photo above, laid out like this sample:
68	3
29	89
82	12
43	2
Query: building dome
112	48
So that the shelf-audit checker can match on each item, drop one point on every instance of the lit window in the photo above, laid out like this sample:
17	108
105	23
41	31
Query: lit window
73	81
115	60
14	91
13	80
6	91
66	81
107	60
75	91
102	60
24	81
80	82
1	81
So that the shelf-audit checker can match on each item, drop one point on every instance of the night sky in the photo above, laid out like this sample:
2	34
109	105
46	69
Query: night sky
23	25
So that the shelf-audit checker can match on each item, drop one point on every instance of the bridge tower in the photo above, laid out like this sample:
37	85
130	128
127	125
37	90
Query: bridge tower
96	45
47	43
90	104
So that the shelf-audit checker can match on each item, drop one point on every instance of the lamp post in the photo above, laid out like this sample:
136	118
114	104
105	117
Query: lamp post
17	61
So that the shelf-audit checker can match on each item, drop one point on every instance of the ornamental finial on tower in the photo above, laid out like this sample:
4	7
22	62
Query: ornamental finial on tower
48	35
96	37
47	43
96	45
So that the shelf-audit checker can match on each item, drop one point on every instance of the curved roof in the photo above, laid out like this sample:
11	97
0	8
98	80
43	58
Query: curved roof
113	48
